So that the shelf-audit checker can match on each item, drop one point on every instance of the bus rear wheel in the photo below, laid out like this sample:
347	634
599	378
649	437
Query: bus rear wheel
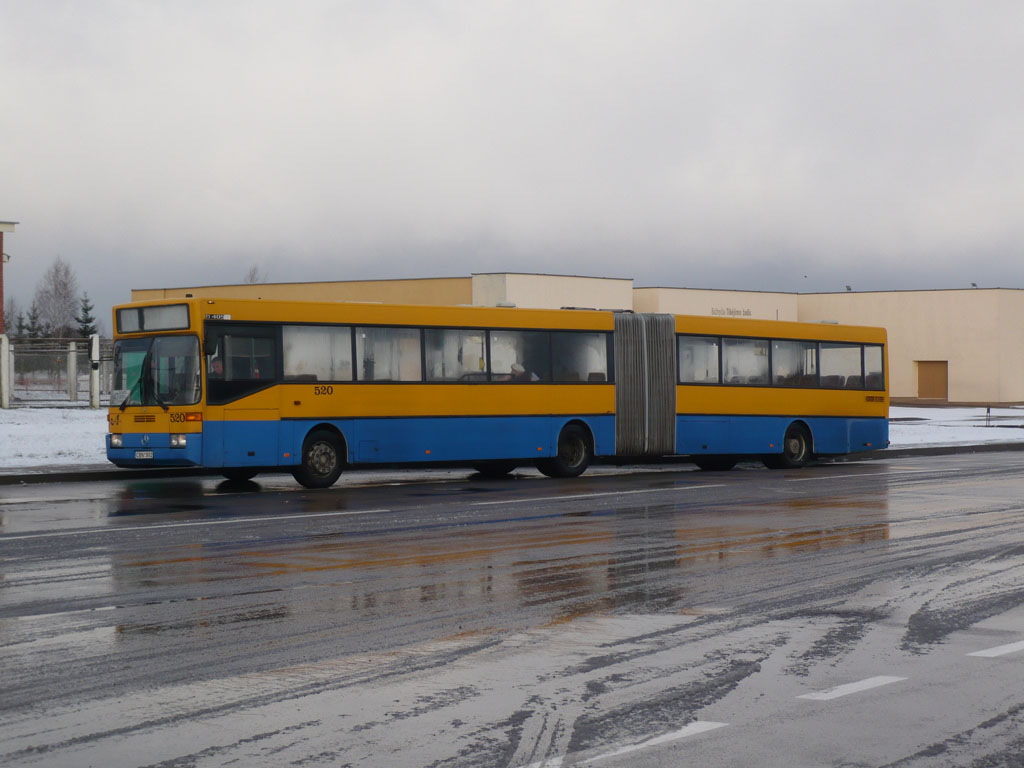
574	454
796	449
321	460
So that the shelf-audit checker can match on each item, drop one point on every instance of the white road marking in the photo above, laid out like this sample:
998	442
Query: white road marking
846	690
698	726
595	495
192	524
999	650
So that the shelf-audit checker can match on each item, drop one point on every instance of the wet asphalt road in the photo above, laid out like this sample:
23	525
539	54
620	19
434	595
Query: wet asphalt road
829	616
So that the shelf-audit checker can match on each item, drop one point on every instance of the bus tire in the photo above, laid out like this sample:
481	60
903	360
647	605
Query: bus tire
715	463
495	469
239	474
575	453
796	449
322	460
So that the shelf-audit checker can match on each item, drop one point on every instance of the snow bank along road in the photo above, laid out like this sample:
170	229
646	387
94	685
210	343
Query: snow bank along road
853	614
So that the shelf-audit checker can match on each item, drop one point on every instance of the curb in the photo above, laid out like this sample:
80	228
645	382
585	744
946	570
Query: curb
932	450
37	475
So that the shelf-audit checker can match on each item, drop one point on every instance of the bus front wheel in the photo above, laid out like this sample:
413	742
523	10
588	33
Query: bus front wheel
574	454
322	460
796	449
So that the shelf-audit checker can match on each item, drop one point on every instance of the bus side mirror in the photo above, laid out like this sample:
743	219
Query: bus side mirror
209	348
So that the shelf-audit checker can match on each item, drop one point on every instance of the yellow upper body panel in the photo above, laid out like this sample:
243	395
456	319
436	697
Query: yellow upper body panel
355	313
295	400
781	401
778	329
301	401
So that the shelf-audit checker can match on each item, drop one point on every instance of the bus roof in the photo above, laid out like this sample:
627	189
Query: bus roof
374	313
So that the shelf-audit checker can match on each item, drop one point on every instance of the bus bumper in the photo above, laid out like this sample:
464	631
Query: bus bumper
154	450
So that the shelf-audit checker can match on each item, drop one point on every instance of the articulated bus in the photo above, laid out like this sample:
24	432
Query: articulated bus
249	386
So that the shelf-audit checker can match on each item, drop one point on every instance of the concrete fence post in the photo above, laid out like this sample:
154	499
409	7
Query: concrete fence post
6	372
94	371
73	372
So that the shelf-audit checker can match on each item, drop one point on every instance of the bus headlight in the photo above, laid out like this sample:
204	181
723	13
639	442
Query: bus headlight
178	441
116	441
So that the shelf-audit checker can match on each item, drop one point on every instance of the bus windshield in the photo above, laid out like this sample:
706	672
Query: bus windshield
158	370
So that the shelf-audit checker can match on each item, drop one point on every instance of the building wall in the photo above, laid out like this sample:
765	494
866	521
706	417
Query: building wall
441	290
696	301
2	260
978	331
552	291
5	226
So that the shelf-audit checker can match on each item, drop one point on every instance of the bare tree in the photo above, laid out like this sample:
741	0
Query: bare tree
255	275
12	308
57	299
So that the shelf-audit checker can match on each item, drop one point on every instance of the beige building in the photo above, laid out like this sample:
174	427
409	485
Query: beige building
956	346
428	290
702	301
946	346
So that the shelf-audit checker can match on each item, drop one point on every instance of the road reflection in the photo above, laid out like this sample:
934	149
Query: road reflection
555	567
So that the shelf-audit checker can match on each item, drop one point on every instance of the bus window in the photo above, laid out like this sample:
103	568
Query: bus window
745	361
874	375
317	353
841	366
520	356
580	357
240	360
456	355
389	354
794	363
698	359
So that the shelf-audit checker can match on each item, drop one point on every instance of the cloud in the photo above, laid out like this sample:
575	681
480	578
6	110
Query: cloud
737	144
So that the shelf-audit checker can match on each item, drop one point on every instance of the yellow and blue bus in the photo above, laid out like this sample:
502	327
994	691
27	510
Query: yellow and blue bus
249	386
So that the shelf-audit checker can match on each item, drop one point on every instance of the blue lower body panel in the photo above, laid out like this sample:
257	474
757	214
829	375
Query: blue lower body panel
757	435
399	441
136	445
373	441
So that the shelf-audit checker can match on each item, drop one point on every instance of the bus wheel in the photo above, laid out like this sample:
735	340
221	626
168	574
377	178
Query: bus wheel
574	454
495	469
715	463
321	460
239	474
796	449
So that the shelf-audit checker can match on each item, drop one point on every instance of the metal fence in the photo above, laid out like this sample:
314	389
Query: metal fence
54	371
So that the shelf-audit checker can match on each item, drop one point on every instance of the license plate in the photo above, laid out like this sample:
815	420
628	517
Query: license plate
143	454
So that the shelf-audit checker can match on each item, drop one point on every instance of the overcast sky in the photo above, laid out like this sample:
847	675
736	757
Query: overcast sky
781	145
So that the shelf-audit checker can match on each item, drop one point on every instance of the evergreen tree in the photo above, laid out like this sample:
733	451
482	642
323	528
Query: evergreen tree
34	327
85	318
20	326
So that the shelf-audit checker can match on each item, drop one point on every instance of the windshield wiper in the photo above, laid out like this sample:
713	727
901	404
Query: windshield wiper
138	383
147	378
156	397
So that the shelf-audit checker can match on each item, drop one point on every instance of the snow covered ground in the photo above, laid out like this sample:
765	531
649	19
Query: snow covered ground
31	437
